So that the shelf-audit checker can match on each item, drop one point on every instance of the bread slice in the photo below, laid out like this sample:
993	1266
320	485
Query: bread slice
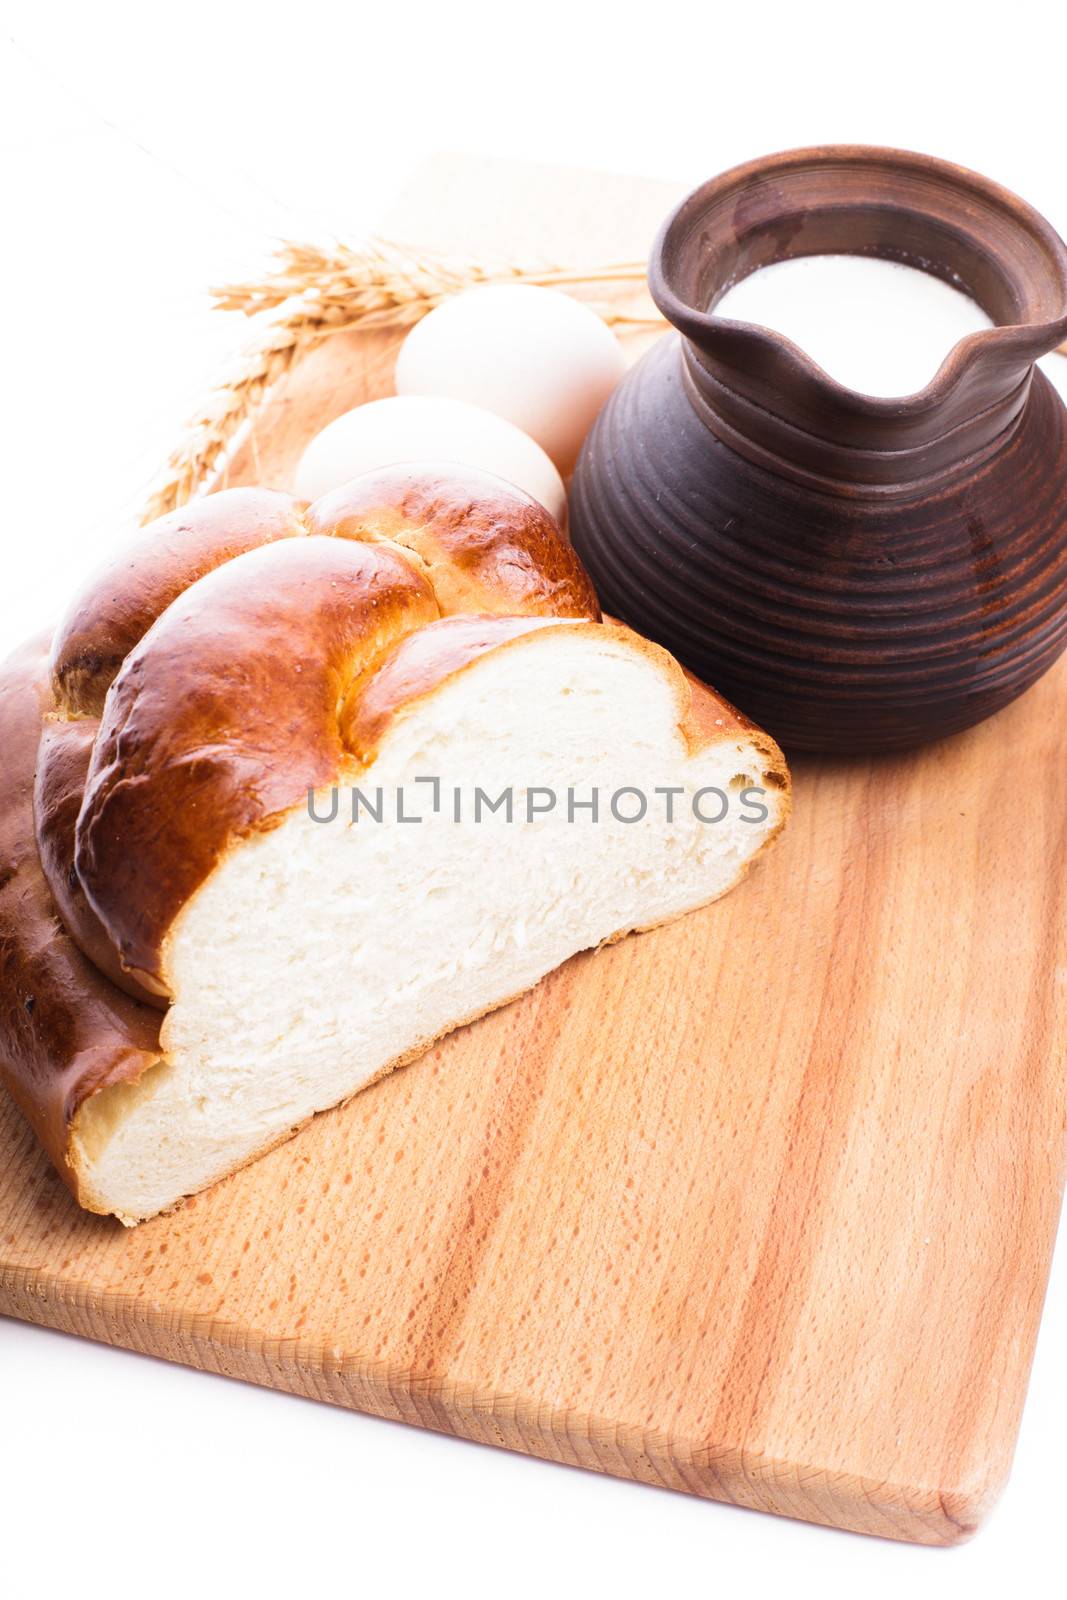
321	954
321	813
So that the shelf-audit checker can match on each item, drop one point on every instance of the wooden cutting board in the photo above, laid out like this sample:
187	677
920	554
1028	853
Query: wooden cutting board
758	1206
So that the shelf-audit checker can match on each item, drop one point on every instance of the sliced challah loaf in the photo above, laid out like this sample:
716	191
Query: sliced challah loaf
315	787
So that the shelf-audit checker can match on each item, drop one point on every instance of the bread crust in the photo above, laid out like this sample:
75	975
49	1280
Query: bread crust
65	1029
63	759
117	607
486	547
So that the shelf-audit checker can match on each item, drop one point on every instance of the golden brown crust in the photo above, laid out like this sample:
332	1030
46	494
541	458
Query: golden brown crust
222	719
63	758
711	718
485	546
117	607
65	1030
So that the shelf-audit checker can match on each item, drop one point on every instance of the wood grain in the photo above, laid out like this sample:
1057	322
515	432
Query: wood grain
758	1206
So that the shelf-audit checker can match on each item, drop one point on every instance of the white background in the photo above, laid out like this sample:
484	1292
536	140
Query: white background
148	151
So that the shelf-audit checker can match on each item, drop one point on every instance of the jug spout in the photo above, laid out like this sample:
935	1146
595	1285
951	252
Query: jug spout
768	399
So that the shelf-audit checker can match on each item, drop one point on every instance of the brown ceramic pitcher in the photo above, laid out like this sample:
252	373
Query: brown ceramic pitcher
858	573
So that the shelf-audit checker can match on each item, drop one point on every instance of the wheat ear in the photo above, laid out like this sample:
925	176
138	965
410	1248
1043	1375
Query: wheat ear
312	293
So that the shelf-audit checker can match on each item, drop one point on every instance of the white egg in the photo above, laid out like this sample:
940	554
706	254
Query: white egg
535	356
383	433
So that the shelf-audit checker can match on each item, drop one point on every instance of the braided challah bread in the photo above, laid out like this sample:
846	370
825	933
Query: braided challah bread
295	791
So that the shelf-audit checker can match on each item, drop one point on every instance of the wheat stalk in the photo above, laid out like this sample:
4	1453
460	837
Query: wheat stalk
313	293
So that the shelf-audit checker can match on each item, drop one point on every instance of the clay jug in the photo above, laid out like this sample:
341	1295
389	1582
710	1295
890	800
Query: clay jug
856	573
